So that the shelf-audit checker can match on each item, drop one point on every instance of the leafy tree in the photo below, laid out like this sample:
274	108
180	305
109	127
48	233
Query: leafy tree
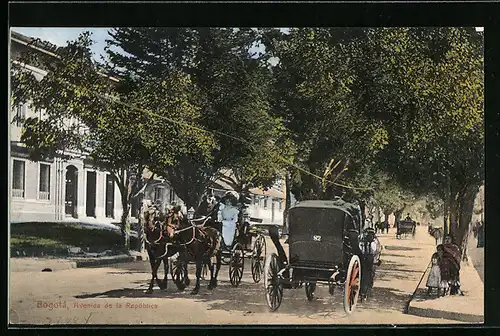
426	86
229	88
334	142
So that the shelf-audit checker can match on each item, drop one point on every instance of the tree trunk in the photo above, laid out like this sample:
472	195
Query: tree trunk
446	212
362	207
125	223
123	185
453	212
288	199
386	216
398	214
466	209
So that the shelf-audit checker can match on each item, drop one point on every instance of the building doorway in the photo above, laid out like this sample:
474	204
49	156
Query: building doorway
110	197
91	193
71	199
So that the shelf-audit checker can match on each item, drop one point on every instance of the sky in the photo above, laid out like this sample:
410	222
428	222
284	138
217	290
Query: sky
59	37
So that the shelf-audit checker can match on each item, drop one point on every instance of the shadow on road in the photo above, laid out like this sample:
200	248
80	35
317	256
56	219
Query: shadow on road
249	298
401	248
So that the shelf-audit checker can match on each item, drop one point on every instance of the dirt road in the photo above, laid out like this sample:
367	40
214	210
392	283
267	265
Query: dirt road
115	295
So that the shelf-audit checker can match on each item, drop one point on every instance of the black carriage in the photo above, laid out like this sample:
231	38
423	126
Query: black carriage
405	228
324	247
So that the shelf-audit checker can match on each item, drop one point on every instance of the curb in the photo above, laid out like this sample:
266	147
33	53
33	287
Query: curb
434	313
103	261
52	266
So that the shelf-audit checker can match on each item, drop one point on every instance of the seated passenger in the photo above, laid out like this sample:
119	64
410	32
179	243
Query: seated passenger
228	215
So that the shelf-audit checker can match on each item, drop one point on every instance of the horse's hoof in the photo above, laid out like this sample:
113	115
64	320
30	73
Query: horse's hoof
148	291
187	282
195	291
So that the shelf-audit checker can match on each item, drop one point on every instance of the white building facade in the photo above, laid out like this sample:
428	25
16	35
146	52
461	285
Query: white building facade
54	190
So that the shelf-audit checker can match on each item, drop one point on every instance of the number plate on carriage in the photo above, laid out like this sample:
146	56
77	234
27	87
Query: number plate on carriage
317	238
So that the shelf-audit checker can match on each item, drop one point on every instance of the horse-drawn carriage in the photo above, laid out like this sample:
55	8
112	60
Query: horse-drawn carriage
405	228
326	244
244	242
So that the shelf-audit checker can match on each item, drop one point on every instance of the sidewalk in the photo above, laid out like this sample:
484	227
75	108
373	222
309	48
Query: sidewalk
468	308
52	265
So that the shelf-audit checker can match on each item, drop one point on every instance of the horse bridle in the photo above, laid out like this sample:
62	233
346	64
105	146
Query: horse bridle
156	225
177	230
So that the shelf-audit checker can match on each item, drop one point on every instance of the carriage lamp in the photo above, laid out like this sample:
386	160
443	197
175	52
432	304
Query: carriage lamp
190	213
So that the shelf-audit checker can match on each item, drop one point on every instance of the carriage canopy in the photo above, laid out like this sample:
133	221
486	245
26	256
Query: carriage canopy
317	231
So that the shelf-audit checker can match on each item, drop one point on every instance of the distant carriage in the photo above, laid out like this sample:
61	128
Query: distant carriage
405	228
325	241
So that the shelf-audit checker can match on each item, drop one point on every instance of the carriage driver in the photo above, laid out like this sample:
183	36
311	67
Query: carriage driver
228	215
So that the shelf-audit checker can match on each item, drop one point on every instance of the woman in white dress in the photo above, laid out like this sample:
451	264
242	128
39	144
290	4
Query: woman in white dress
228	215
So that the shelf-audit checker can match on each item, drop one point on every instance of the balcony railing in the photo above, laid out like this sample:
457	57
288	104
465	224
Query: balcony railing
44	195
18	193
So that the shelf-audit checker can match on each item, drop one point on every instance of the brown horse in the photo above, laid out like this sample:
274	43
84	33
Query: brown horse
437	233
160	248
201	241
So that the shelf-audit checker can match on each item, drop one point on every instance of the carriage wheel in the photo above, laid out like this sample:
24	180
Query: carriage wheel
177	271
236	264
352	284
258	257
310	288
274	289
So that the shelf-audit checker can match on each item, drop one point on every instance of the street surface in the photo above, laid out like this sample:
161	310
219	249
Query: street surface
115	295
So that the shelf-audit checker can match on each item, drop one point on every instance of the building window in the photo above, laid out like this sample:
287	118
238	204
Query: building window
44	183
20	115
110	197
280	205
265	202
18	178
172	196
158	195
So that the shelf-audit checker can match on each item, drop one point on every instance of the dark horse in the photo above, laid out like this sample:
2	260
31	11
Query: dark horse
160	248
201	240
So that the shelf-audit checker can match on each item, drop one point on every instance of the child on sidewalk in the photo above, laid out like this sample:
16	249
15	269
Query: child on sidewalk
434	279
